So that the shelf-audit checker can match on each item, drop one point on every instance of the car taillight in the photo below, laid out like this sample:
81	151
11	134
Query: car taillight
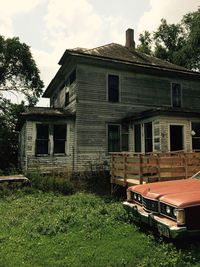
180	216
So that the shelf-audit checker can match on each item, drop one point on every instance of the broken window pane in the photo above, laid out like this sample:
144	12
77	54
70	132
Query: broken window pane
59	137
176	95
42	139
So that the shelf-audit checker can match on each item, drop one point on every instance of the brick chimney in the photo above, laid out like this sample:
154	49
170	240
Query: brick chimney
130	43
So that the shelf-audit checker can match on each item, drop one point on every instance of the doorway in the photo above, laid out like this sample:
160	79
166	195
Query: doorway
176	137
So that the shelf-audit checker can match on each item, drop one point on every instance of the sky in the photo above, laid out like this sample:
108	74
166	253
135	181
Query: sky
51	26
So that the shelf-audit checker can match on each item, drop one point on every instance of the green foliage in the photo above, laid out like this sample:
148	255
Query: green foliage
176	43
145	43
18	71
8	136
43	229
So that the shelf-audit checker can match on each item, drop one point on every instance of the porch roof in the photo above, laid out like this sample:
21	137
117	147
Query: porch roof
167	111
41	113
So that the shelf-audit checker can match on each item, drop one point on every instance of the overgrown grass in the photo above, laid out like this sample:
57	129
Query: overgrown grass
44	229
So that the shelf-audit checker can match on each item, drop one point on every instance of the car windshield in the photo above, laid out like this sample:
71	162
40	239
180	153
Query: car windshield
196	175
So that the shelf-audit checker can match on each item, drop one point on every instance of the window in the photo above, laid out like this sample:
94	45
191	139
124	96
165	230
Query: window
176	95
196	135
125	137
66	98
148	137
137	137
59	138
113	138
50	139
113	88
72	77
42	139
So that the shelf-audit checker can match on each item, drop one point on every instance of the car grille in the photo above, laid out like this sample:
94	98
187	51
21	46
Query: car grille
150	205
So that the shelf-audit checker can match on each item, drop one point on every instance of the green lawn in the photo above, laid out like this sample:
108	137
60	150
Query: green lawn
43	229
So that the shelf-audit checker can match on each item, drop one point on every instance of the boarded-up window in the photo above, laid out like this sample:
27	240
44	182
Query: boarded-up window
176	95
113	88
196	135
113	138
148	137
59	138
137	137
42	139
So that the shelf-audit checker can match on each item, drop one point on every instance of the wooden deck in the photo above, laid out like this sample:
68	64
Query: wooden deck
136	168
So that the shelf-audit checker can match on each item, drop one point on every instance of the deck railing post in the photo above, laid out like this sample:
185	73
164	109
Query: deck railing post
125	169
141	168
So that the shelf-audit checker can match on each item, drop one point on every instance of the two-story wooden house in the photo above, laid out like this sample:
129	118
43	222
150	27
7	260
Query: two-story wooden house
111	98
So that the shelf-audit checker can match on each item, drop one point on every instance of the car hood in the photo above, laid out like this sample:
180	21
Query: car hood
182	200
159	189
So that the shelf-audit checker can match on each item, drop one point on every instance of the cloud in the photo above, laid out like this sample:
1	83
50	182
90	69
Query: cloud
171	10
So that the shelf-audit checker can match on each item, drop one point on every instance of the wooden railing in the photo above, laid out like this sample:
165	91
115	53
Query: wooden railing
139	168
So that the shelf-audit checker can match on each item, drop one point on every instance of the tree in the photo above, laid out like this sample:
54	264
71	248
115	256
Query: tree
19	75
145	43
8	135
176	43
18	70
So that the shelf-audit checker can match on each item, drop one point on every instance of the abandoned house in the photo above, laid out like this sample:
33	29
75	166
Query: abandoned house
107	99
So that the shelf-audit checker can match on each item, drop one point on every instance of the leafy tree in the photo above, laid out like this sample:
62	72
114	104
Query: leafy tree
18	71
18	75
8	136
176	43
145	43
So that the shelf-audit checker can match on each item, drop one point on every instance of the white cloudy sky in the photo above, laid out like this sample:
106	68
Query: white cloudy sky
51	26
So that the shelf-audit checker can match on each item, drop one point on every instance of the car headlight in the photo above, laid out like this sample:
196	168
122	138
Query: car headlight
180	216
128	194
175	212
139	198
168	209
135	196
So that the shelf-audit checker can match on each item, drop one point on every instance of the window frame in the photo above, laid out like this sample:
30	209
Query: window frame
114	124
59	139
181	98
51	139
42	139
119	87
193	136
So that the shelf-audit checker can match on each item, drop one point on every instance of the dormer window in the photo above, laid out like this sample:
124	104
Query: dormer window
176	95
113	88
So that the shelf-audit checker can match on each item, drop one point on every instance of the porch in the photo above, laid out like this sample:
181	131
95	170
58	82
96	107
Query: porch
129	168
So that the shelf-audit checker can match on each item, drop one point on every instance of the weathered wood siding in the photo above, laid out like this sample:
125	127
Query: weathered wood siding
137	92
31	162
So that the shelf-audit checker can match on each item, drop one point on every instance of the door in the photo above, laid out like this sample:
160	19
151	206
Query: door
176	137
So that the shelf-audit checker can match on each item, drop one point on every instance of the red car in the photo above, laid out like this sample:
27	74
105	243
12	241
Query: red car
173	207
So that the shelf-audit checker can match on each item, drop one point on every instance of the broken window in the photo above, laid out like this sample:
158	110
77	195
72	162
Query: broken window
66	98
113	88
176	95
42	139
113	138
137	137
196	135
148	137
59	138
